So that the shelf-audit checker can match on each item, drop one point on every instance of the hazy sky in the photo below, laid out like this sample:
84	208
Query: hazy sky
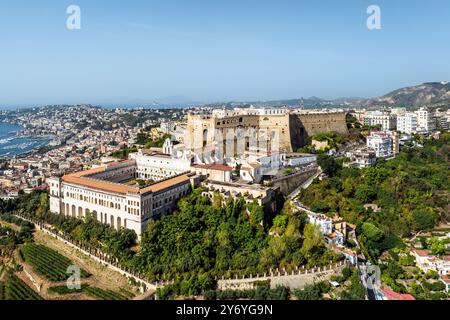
216	50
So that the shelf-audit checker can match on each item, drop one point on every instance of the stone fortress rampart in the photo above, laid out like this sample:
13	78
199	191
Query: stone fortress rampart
293	128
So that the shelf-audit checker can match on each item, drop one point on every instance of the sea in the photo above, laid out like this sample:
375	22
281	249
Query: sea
12	145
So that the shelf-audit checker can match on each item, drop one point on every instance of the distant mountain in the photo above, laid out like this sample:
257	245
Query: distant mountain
430	93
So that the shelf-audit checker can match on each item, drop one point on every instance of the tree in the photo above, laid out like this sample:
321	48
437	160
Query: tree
356	290
280	222
256	213
347	273
313	239
434	286
237	169
424	220
366	193
371	232
437	247
328	164
310	292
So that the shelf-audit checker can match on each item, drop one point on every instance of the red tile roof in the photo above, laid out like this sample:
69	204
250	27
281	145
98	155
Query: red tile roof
422	253
219	167
446	279
81	179
390	294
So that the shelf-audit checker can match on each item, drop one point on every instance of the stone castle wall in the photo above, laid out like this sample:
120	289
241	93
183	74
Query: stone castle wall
303	126
294	129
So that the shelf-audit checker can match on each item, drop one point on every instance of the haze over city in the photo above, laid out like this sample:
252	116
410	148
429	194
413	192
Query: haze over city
209	51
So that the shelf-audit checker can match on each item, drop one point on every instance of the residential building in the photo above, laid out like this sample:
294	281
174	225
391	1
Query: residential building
446	280
426	261
325	223
407	123
425	120
387	120
361	158
389	294
168	127
381	142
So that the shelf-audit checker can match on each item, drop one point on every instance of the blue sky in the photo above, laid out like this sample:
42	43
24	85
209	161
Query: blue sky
132	51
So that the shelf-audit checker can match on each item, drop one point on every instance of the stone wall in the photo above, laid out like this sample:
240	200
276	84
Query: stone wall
294	129
296	279
303	126
289	183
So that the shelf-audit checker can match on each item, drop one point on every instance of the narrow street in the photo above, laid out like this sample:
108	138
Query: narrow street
362	262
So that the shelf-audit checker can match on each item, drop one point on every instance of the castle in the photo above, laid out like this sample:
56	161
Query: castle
234	132
252	141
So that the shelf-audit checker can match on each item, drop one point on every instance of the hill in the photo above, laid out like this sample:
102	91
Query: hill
430	93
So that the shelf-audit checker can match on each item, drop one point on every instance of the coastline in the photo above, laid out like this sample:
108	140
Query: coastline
15	144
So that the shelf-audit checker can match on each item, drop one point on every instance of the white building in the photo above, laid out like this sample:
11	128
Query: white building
168	127
407	123
381	143
325	223
104	193
427	262
295	160
213	172
157	166
361	158
387	120
270	161
425	120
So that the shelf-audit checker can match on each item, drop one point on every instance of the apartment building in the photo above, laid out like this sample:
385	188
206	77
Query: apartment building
407	122
381	143
387	120
425	120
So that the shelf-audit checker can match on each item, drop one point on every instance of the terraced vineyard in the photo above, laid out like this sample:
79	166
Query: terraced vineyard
16	289
65	290
103	294
48	262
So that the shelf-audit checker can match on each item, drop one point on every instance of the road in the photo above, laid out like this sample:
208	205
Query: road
363	265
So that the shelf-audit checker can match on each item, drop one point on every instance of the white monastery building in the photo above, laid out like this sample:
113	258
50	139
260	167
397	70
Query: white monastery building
110	195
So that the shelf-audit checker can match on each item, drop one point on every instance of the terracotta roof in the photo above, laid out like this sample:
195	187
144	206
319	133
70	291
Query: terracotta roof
219	167
446	279
392	295
101	185
81	179
255	165
87	172
422	253
166	184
